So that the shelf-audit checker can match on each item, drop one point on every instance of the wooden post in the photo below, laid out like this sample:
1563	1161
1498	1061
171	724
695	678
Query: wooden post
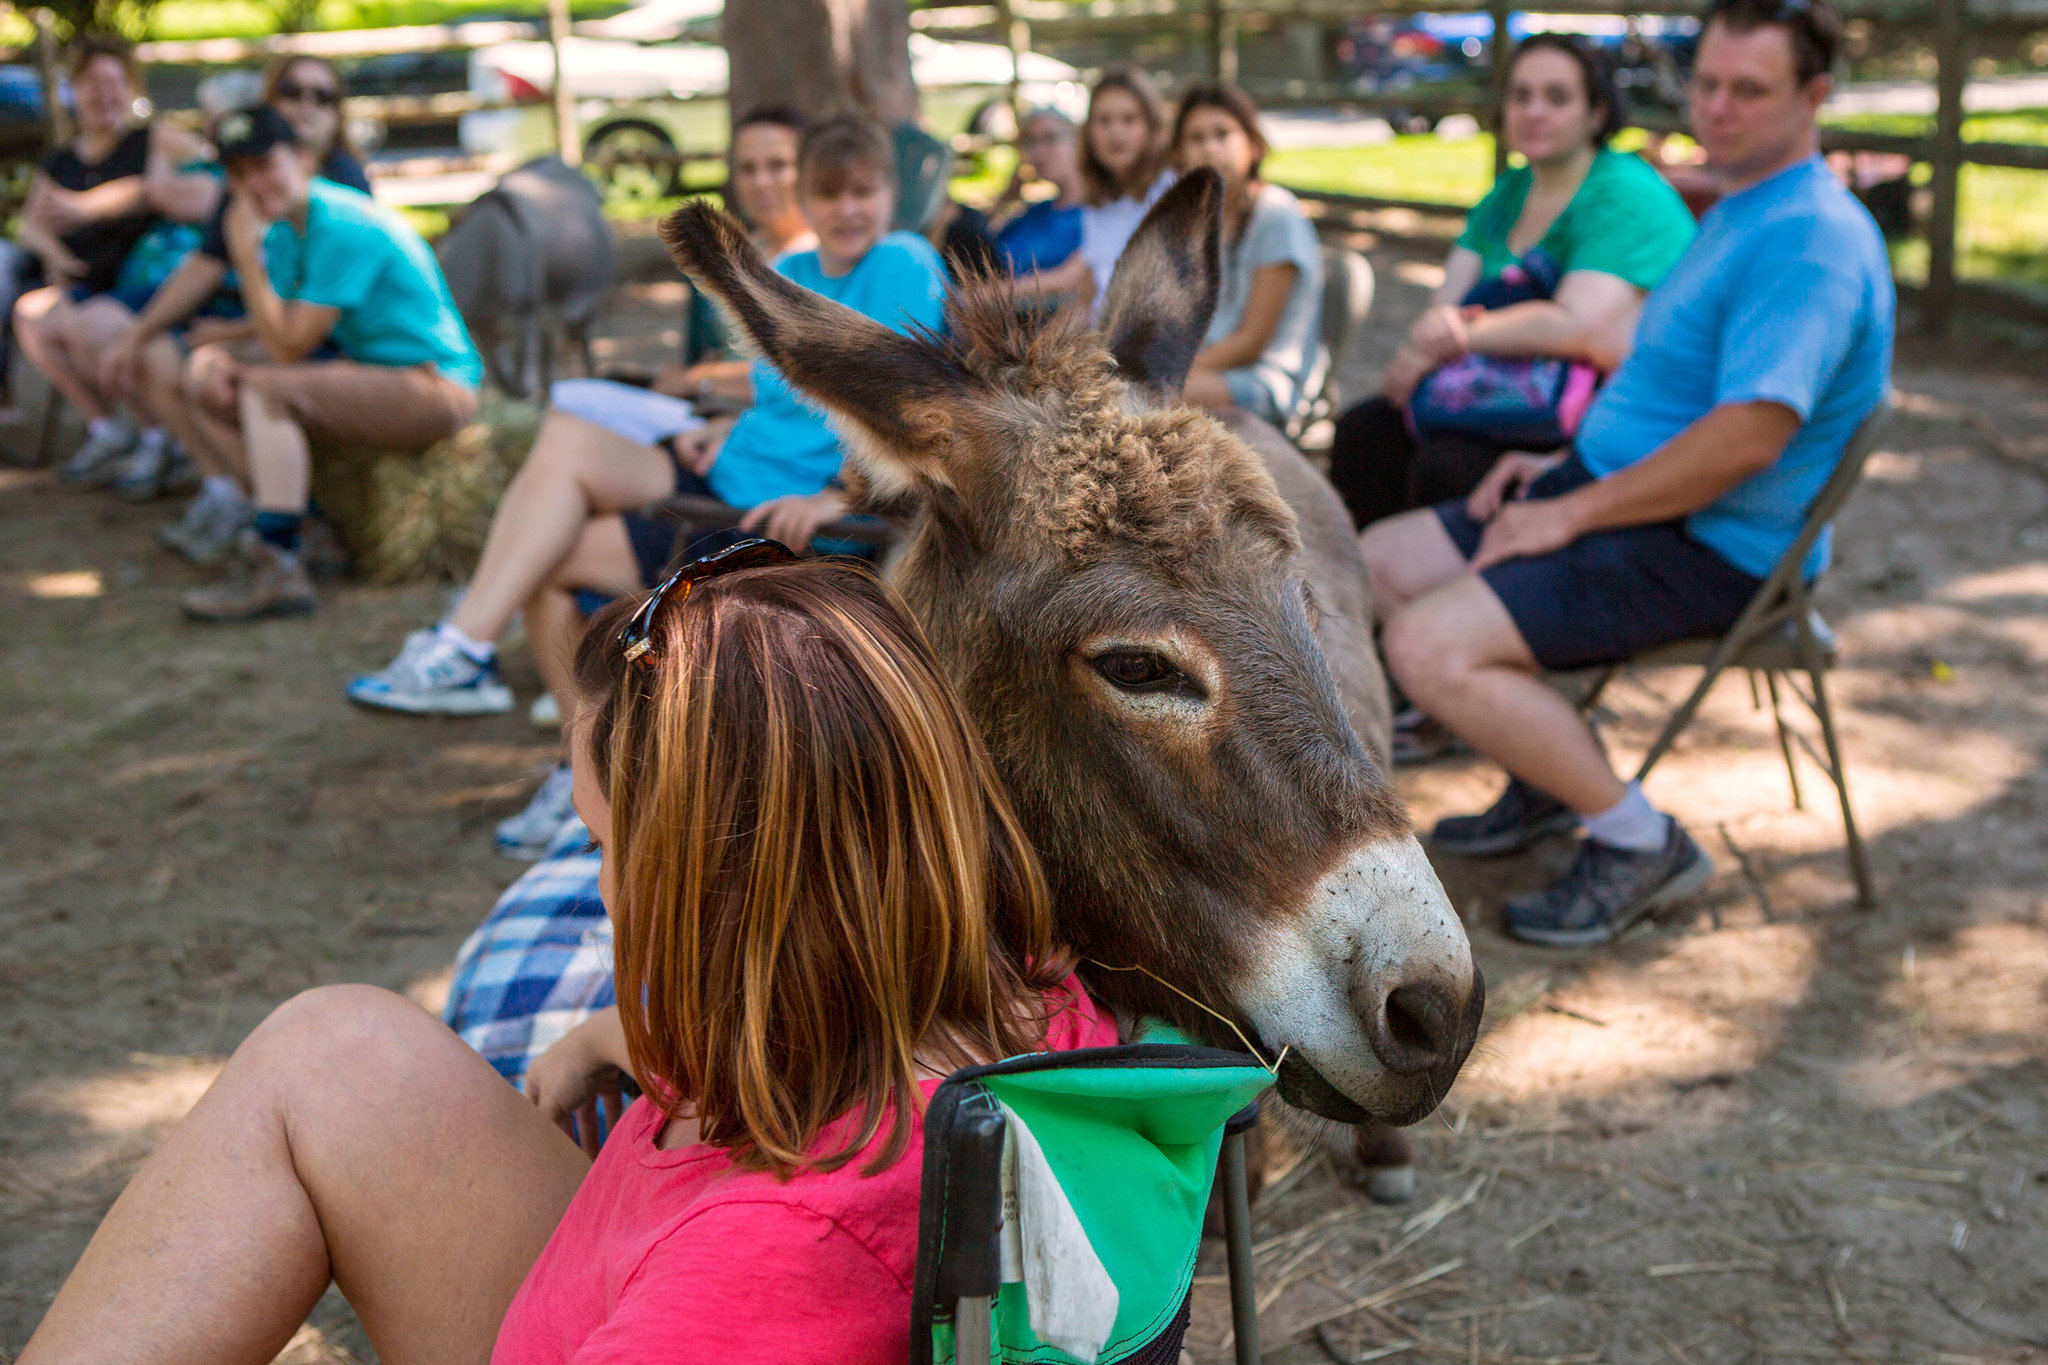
568	137
1952	51
1497	80
1017	33
1222	42
51	70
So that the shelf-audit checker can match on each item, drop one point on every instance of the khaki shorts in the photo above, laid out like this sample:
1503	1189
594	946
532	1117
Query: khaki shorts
391	407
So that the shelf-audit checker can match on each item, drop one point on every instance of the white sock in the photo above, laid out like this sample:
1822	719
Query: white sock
1632	823
483	651
220	488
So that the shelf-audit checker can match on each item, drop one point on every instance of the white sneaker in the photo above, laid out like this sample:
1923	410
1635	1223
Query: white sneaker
545	713
432	677
526	836
98	461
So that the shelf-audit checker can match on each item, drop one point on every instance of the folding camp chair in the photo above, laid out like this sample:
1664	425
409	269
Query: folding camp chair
1779	633
1348	287
1100	1268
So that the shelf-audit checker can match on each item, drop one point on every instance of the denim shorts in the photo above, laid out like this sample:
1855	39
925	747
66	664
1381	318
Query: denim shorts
1249	391
1611	595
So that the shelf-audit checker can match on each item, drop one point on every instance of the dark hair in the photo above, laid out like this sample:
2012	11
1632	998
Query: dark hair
88	48
1098	184
1231	101
778	115
1814	26
1596	75
274	74
832	150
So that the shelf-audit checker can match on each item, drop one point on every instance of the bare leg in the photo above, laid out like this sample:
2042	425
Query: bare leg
210	410
603	562
162	398
39	319
577	470
351	1137
1407	556
1205	388
85	335
280	460
1457	655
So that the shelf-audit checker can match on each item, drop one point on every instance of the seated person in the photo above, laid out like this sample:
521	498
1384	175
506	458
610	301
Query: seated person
569	520
361	345
144	364
1047	231
760	1204
1265	338
1754	364
1580	233
1124	170
92	201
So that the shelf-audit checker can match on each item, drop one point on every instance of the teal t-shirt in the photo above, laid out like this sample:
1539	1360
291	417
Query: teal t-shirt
1625	220
363	259
782	446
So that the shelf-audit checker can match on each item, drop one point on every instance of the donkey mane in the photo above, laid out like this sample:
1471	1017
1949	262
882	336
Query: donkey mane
1105	464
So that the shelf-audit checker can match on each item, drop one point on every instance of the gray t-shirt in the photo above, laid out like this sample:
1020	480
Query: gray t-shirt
1276	233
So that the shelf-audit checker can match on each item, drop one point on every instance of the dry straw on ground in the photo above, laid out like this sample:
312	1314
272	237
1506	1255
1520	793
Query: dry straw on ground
409	518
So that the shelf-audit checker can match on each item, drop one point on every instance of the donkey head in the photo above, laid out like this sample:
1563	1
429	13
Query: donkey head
1116	587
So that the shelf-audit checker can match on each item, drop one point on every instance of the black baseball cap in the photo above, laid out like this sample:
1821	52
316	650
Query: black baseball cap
245	133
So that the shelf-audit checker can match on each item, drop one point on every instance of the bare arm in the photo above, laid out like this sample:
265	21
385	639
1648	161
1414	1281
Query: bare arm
1730	444
188	196
1591	318
180	295
1071	276
289	328
39	236
1461	272
1271	284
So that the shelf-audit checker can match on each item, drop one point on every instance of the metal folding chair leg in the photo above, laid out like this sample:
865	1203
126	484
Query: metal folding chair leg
1784	735
1859	861
1237	1235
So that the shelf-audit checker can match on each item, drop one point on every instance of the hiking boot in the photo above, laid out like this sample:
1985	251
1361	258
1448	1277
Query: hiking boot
98	460
1521	817
432	676
1607	890
527	835
1419	739
265	581
140	474
206	534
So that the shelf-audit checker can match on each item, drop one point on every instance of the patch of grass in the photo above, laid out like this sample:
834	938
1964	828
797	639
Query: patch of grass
1421	167
2028	127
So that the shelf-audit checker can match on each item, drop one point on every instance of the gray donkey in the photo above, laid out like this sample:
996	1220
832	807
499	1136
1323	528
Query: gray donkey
528	264
1165	637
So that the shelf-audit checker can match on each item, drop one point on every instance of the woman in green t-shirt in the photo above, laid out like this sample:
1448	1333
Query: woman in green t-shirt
1602	225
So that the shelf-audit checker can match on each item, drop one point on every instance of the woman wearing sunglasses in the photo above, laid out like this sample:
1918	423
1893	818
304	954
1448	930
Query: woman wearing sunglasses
768	754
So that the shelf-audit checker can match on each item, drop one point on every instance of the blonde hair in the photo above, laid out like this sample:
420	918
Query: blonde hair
816	868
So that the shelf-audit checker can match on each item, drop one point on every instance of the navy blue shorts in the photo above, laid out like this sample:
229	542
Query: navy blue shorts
1611	595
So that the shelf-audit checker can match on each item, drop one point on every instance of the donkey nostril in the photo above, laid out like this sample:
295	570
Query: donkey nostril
1421	1021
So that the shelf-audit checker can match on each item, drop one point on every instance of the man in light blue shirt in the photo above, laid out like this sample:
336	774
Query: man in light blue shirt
1755	361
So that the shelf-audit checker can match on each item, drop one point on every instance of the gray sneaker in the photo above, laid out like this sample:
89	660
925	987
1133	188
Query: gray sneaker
1521	817
206	533
98	460
1607	890
139	475
526	836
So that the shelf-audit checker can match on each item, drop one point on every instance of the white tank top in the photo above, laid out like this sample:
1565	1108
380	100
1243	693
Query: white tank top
1106	229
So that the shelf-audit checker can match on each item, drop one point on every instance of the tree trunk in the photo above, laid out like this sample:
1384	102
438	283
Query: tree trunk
822	56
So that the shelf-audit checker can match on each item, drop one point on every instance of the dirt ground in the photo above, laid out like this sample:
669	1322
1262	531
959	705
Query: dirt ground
1772	1129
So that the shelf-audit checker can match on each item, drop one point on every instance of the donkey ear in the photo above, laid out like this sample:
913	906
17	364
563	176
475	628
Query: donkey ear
1164	290
893	397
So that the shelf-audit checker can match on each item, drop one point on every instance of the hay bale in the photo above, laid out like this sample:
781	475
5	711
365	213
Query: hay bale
407	518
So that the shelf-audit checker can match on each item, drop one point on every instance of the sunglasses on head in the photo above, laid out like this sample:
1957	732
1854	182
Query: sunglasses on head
634	638
290	91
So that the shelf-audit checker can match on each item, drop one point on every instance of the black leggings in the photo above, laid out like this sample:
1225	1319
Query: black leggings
1380	469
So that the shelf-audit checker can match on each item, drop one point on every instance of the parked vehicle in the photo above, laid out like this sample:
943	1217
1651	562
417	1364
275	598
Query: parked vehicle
639	108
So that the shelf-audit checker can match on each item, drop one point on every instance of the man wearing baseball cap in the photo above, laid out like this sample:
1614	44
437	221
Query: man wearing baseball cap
361	345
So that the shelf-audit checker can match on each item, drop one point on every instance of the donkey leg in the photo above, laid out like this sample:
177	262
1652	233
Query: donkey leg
1378	1159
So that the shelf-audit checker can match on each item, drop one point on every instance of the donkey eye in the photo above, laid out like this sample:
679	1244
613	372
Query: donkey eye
1137	670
